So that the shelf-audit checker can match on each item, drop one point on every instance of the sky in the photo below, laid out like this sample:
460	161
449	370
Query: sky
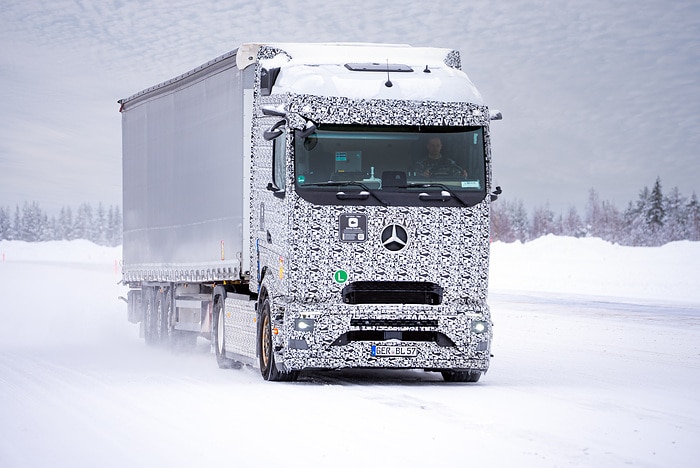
595	95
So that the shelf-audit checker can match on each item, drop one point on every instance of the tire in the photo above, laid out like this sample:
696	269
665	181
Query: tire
268	367
461	376
161	317
149	316
170	334
219	338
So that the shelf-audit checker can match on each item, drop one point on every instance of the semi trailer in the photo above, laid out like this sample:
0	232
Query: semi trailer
313	206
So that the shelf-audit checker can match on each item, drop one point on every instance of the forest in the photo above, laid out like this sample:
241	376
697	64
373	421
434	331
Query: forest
30	223
653	219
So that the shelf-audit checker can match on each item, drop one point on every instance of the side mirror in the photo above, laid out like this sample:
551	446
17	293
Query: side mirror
495	115
496	193
273	132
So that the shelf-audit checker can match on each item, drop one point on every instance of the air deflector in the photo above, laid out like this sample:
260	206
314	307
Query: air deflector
379	67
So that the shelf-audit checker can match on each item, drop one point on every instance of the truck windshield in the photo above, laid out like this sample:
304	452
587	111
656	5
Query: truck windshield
391	162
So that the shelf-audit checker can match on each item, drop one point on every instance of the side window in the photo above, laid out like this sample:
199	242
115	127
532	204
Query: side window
279	162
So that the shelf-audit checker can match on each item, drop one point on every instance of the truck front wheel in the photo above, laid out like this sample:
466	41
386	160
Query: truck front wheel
268	368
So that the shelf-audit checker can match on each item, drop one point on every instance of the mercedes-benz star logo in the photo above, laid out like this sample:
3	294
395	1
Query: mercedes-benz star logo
394	237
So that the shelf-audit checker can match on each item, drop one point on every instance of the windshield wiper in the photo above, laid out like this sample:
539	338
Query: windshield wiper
437	185
343	195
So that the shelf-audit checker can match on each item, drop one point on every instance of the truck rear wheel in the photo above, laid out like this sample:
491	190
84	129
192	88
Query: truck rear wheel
170	334
149	315
268	368
161	318
219	338
461	376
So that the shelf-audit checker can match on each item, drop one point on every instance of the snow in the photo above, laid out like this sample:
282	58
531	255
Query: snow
593	267
597	363
319	69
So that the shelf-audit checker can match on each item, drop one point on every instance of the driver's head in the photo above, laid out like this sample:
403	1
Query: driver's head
434	147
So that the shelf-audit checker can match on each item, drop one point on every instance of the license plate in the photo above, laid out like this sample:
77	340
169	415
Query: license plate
394	351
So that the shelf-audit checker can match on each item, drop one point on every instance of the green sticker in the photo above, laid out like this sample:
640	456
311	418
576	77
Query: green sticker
340	276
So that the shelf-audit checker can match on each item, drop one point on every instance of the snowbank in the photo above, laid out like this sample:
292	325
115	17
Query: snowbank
550	264
75	251
593	267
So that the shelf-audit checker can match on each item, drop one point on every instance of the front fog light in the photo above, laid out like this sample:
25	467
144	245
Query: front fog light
479	326
305	325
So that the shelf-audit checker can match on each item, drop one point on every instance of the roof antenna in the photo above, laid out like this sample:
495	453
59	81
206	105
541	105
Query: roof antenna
388	83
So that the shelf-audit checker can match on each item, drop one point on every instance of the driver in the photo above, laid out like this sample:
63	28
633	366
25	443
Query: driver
437	164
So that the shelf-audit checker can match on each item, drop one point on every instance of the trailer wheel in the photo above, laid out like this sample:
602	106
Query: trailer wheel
149	316
268	368
461	376
219	338
161	318
169	321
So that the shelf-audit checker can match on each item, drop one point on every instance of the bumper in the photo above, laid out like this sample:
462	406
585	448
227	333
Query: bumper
424	337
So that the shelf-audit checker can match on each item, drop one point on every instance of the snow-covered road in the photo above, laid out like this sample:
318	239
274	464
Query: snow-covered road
575	381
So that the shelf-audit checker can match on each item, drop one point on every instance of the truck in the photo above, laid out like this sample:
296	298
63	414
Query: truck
313	207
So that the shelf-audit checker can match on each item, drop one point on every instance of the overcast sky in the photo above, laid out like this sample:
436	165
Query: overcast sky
597	94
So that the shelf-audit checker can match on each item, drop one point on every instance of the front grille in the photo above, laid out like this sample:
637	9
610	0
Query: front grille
392	292
393	323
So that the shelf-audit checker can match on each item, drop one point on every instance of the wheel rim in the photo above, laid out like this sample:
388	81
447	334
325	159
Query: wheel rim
220	331
266	342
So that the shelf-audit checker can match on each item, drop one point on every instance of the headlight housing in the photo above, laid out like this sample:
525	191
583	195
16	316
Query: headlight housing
304	324
479	326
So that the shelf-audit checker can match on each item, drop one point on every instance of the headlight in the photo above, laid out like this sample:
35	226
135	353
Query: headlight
304	324
479	326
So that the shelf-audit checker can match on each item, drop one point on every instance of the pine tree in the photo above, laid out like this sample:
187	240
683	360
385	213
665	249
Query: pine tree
48	232
33	222
572	224
543	223
655	213
519	221
100	226
676	225
501	228
593	214
693	213
611	223
114	226
16	230
64	225
83	227
635	220
5	223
